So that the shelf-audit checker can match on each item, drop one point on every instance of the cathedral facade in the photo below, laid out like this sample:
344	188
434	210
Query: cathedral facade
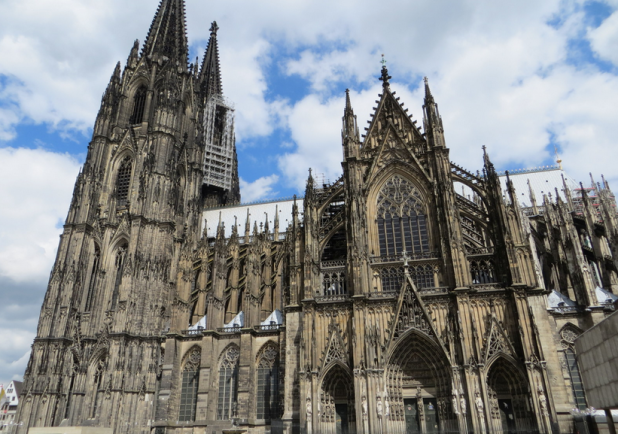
386	302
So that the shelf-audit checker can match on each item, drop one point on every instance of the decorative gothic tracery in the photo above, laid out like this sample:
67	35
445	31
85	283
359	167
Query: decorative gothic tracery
189	386
228	384
509	399
123	180
402	224
268	383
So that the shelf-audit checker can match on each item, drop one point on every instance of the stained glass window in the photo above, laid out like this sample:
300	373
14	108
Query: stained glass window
402	224
576	380
268	385
228	384
189	387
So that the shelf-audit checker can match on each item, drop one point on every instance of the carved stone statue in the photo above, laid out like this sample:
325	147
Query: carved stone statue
364	406
480	407
309	408
462	404
455	404
387	407
379	406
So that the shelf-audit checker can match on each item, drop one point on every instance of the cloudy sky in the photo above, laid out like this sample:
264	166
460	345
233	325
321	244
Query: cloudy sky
520	77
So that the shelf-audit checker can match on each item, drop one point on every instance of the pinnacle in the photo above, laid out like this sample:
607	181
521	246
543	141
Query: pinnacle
348	104
428	95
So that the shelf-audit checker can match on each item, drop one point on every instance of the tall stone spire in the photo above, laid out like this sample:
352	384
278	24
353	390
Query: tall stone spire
167	35
210	73
350	128
432	120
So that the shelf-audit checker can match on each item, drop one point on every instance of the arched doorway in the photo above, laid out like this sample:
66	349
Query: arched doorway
509	398
336	402
418	386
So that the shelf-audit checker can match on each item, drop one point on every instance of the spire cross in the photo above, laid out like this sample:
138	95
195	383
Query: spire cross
383	61
213	28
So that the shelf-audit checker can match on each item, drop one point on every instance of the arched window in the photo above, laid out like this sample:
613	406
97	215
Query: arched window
228	384
568	335
119	266
123	181
190	383
483	271
402	225
93	279
139	102
98	387
576	380
268	384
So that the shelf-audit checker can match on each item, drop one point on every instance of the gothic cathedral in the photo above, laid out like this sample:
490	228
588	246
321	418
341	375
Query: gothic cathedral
388	302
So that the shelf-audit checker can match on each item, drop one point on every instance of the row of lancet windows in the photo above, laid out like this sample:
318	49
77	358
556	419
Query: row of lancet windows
267	398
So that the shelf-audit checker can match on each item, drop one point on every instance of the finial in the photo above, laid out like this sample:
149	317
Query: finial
213	29
558	160
385	77
348	104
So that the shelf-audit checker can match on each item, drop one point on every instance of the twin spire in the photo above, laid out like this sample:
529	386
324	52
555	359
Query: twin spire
210	74
167	37
168	34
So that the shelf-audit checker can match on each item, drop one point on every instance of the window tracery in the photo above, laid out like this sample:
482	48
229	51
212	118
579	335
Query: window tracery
139	102
228	384
402	224
483	271
123	180
93	279
189	388
268	384
119	265
98	381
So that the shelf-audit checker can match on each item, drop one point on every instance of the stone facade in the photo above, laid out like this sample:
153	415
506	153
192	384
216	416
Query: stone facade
388	304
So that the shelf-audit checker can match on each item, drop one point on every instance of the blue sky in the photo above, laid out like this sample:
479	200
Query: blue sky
518	77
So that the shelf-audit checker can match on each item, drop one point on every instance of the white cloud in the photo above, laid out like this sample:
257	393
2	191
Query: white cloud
35	191
261	188
604	39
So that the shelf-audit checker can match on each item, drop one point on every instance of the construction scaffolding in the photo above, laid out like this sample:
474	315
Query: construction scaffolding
219	143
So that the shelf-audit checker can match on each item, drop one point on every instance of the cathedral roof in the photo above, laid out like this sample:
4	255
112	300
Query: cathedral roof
237	214
543	181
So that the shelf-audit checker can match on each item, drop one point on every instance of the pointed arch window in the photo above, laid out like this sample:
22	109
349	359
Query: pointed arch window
119	265
268	384
402	224
576	380
123	180
568	335
139	102
93	279
483	271
98	386
189	388
228	384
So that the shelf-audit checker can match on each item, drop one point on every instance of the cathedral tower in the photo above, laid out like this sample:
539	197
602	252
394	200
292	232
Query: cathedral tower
162	147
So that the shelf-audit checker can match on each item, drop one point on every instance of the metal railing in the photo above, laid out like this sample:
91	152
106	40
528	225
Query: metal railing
399	258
